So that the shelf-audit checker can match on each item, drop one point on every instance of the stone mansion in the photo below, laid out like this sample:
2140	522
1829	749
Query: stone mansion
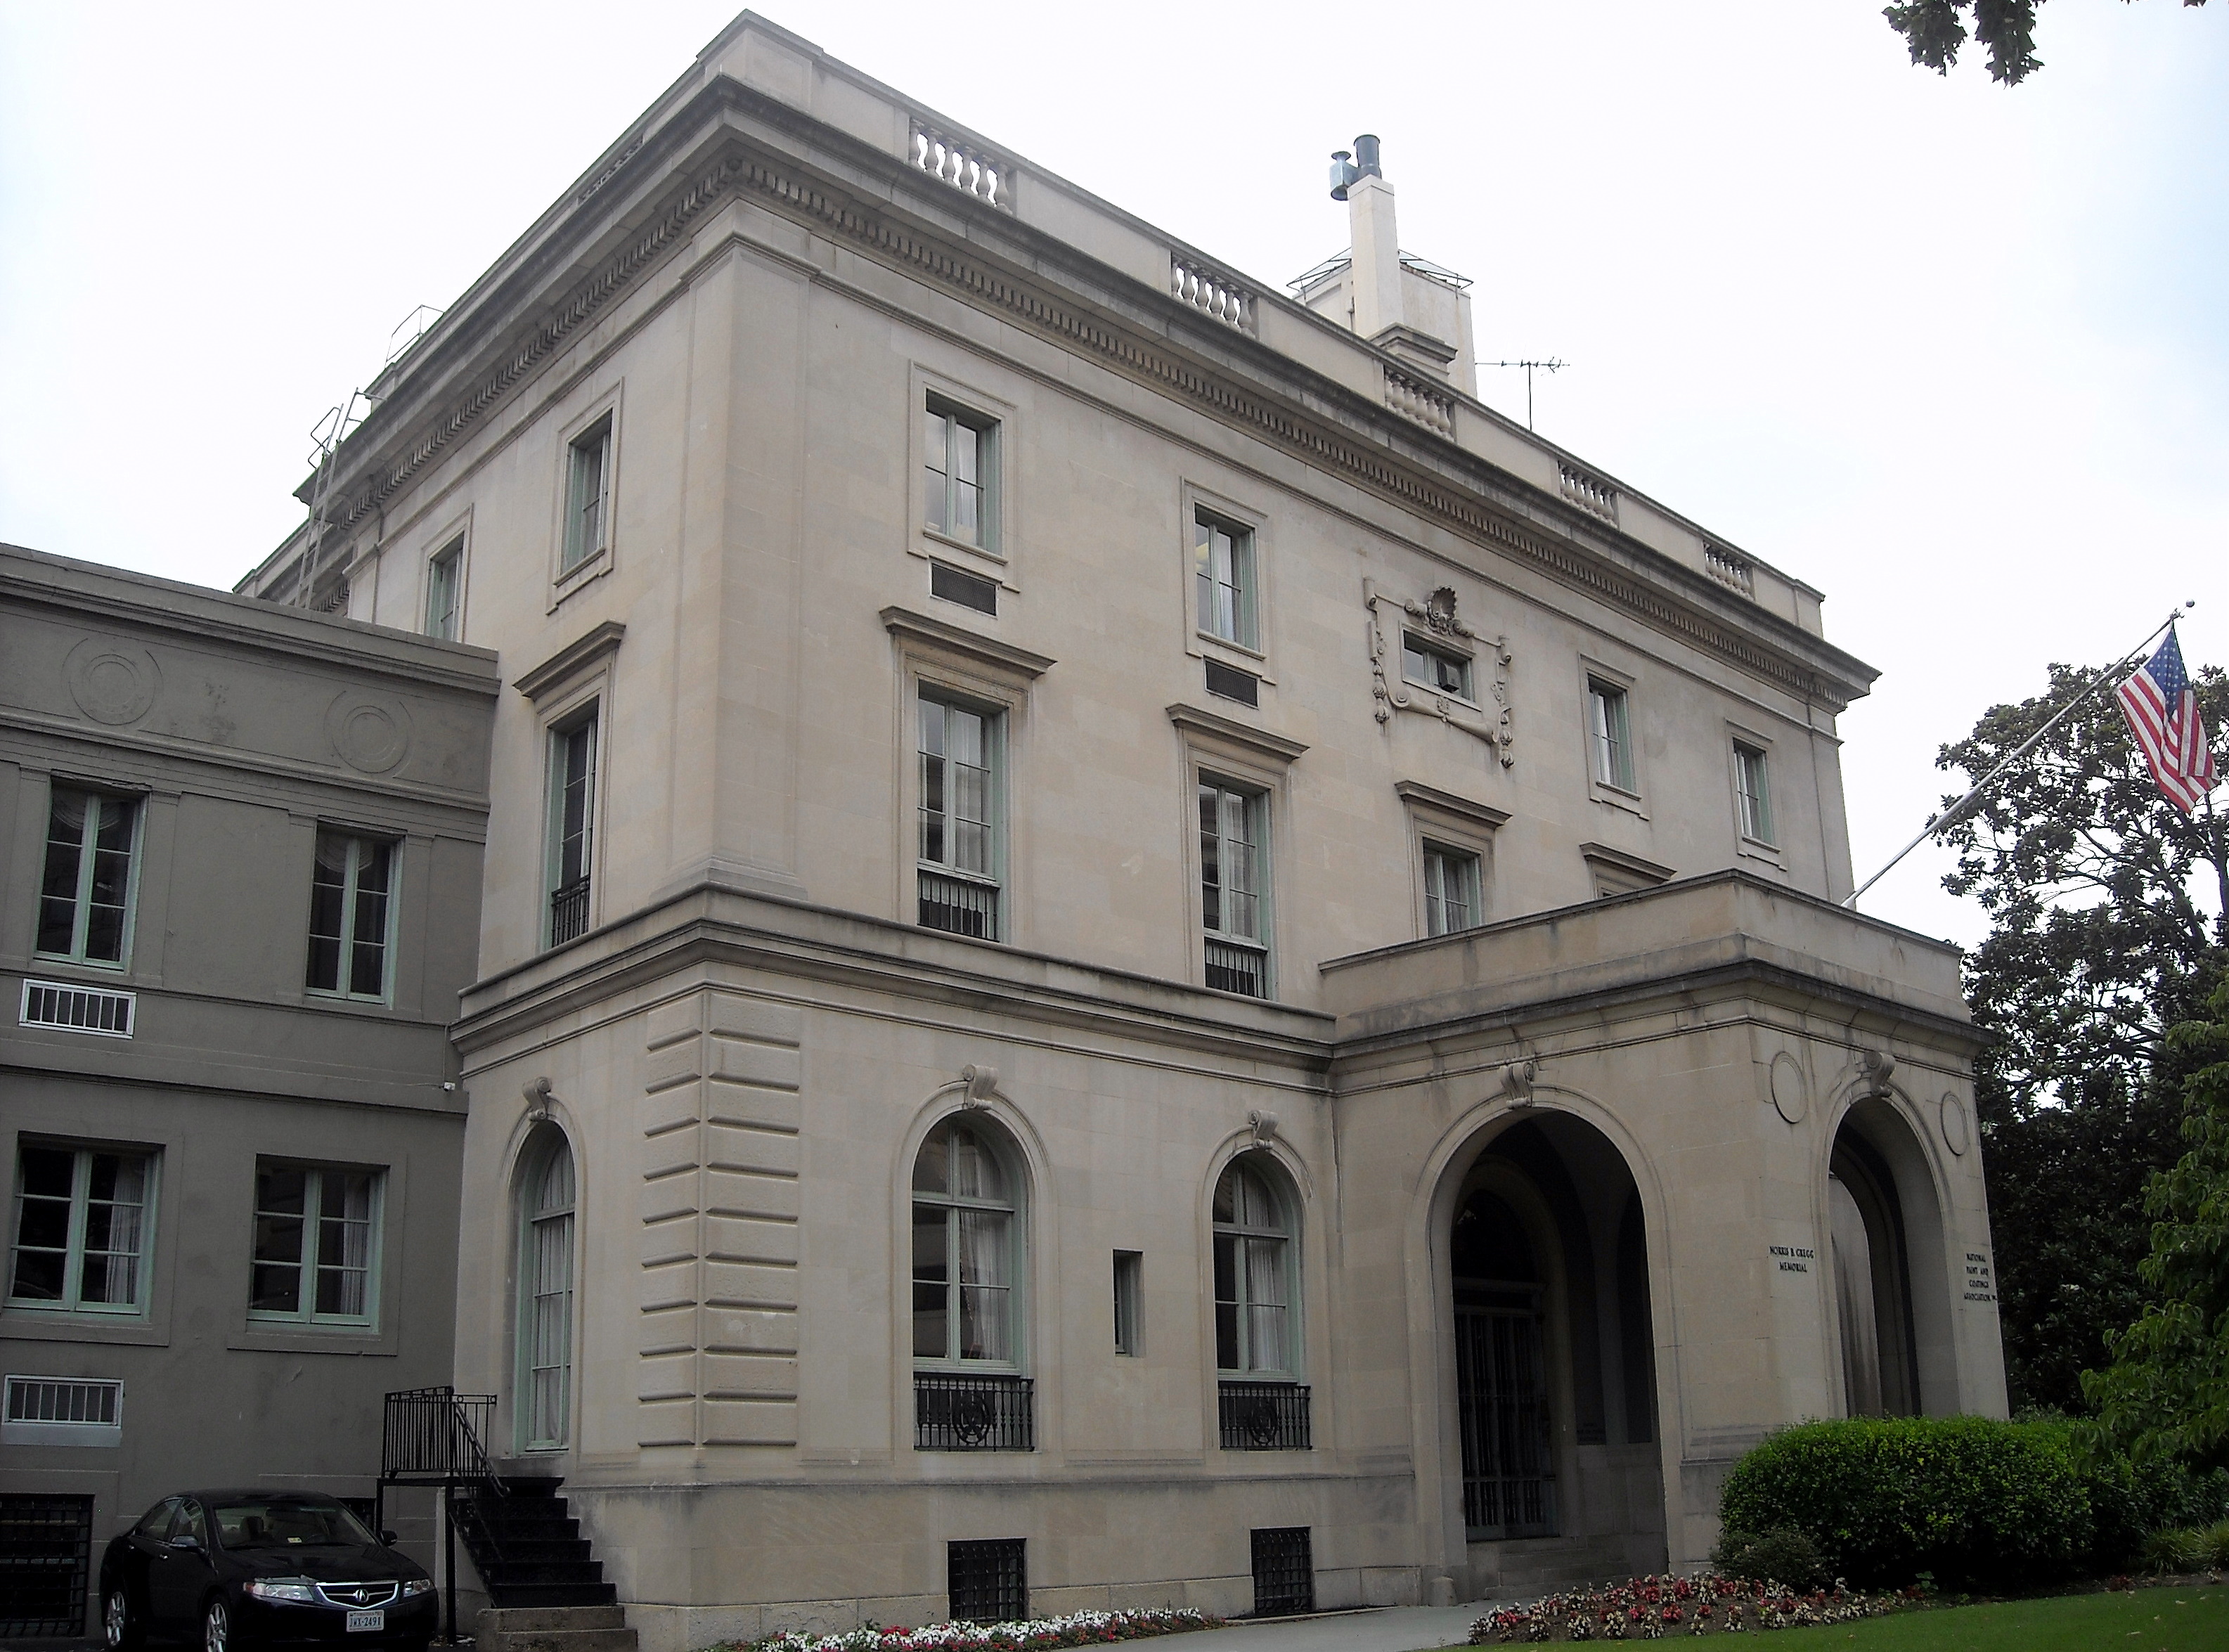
1128	950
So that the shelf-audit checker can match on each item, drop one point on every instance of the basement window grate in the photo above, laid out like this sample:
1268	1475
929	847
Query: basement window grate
1284	1571
988	1580
46	1557
77	1009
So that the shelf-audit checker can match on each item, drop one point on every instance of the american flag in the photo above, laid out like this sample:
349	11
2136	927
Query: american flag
2162	708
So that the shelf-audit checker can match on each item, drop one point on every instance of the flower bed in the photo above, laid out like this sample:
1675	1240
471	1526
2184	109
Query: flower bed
1077	1628
1648	1608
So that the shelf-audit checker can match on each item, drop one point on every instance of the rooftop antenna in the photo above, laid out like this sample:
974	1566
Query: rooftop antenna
1549	366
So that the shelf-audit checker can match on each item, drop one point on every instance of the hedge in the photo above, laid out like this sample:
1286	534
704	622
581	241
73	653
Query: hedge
1979	1504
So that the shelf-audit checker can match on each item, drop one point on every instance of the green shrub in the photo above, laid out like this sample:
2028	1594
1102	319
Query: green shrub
1782	1555
2127	1501
2216	1539
1978	1503
2178	1548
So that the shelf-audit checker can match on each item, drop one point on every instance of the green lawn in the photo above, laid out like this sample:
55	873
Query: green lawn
2151	1620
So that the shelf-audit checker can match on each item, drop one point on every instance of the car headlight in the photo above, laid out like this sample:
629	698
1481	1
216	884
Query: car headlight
416	1586
296	1590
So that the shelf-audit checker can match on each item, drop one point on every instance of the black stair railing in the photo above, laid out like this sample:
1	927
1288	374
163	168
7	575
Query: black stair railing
434	1437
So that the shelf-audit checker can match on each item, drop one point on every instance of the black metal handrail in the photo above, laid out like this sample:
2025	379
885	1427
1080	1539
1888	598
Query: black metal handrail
568	912
433	1436
953	1412
1263	1416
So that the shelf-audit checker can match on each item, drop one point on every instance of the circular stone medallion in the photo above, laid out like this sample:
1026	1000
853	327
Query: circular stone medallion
111	682
1791	1090
1957	1133
371	732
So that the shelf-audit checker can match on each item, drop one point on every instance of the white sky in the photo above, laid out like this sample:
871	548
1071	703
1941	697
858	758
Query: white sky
1956	354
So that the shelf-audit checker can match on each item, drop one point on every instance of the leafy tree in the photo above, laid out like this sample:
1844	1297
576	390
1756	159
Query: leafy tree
2166	1394
2100	940
1936	29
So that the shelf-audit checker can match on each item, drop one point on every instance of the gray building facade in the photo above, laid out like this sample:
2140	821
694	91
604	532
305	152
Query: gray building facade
240	869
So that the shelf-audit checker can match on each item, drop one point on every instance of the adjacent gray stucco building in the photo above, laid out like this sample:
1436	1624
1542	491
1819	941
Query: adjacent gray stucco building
239	873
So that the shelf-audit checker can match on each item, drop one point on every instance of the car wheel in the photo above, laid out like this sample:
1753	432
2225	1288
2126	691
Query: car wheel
216	1627
119	1622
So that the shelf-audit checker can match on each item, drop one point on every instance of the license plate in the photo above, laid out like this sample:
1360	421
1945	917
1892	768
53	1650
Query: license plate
359	1622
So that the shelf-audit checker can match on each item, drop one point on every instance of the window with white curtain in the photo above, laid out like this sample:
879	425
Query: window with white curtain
316	1247
961	805
967	1250
1753	793
547	1210
82	1229
1256	1274
961	462
1223	570
1233	853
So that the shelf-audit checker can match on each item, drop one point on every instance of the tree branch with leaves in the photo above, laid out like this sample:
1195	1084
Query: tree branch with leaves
1936	32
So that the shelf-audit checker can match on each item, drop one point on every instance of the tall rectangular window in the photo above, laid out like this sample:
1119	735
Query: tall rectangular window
1224	573
1451	890
1129	1288
1753	786
349	905
85	896
588	494
1232	883
572	825
1609	734
316	1244
445	590
960	459
81	1228
959	804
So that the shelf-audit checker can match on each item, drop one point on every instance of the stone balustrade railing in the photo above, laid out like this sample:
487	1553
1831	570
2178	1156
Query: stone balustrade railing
1204	287
1732	571
1588	491
971	169
1422	401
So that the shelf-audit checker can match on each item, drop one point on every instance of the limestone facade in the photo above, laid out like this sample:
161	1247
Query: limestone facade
1540	1237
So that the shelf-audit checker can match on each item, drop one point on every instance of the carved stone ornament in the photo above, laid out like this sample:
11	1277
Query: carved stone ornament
538	1095
369	732
1264	1125
1876	1065
1517	1080
1791	1087
111	682
1492	722
980	1083
1957	1131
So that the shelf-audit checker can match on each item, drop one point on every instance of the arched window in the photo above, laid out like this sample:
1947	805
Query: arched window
545	1292
1256	1273
966	1250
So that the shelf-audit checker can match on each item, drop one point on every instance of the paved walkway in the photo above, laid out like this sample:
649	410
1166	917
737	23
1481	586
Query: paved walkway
1391	1629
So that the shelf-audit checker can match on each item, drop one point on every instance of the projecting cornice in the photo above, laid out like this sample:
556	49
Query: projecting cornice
722	143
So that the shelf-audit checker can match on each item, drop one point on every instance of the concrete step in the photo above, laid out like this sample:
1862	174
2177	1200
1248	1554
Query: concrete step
554	1628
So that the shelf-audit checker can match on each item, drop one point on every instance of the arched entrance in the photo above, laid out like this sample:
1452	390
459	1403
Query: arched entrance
1885	1232
1549	1419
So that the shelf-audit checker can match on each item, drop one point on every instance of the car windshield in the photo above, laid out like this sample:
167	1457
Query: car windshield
286	1523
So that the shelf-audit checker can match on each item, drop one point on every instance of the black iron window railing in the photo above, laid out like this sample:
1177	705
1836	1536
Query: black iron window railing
1237	969
568	912
958	906
1284	1571
957	1412
46	1560
1264	1416
987	1580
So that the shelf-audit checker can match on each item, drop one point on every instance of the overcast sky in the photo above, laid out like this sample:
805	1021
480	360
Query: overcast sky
1956	354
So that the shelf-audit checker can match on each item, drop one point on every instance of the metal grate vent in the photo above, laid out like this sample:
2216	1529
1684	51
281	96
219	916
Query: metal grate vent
45	1554
63	1411
966	589
77	1009
988	1580
1284	1571
1231	684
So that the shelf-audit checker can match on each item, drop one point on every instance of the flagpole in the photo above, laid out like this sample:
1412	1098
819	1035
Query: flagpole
1936	823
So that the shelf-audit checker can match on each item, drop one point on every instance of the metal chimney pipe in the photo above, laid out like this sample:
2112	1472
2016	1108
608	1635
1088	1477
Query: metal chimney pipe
1365	154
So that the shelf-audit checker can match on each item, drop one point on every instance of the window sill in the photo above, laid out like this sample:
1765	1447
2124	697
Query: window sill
1243	653
100	967
62	1324
1618	798
267	1337
323	1000
944	541
1757	849
1446	694
579	577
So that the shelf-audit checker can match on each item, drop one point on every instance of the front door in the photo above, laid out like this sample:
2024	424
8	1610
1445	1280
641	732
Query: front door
1509	1486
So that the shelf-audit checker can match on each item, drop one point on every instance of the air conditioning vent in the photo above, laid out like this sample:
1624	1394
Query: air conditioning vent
63	1411
78	1009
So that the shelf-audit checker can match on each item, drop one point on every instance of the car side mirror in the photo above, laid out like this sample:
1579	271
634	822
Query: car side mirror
185	1540
388	1538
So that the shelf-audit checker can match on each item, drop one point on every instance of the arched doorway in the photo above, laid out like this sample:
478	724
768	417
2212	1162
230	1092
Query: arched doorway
1884	1229
1550	1414
546	1202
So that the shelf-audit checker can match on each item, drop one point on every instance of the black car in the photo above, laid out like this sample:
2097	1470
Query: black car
260	1568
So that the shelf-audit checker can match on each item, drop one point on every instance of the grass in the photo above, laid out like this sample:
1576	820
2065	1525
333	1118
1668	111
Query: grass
2151	1620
